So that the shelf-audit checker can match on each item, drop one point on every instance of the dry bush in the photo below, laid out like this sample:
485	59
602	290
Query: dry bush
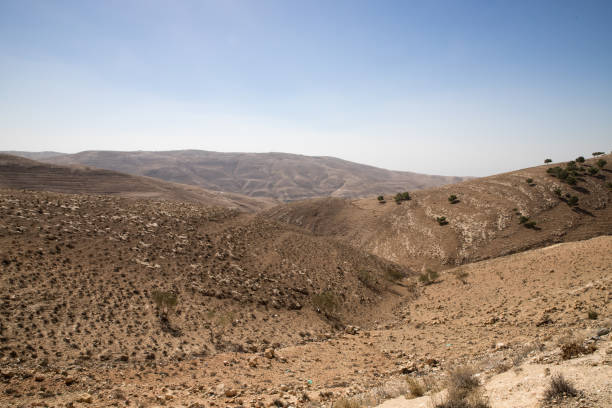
428	277
326	302
416	388
463	390
574	348
346	403
559	387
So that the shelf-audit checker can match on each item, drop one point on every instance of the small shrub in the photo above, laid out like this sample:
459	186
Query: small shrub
381	198
523	219
609	184
165	301
367	279
592	315
325	302
442	220
570	180
395	273
463	391
529	180
428	277
453	199
580	159
572	201
597	153
601	163
559	387
557	191
574	348
530	224
546	161
593	171
346	403
415	387
462	276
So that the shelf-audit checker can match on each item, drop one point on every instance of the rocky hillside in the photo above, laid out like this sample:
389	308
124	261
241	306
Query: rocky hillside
282	176
482	218
20	173
84	279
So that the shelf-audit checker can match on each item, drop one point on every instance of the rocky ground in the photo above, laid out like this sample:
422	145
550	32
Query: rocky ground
266	313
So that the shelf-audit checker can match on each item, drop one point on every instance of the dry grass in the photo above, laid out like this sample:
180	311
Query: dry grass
559	387
346	403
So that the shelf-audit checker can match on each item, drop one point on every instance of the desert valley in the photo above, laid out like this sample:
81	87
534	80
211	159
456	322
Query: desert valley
200	279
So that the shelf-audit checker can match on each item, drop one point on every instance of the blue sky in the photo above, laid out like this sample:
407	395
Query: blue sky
441	87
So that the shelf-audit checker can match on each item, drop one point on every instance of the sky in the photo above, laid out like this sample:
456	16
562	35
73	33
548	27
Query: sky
467	88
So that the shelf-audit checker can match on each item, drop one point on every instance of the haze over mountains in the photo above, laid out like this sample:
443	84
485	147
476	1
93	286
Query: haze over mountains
21	173
282	176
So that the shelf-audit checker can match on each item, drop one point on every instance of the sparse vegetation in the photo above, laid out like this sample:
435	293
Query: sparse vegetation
428	277
559	387
441	220
165	301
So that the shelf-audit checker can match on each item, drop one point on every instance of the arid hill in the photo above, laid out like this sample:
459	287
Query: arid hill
21	173
282	176
483	221
81	272
80	325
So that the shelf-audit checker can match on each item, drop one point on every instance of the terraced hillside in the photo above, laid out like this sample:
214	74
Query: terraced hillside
282	176
20	173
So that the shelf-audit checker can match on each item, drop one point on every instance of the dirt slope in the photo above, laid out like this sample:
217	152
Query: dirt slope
20	173
483	223
282	176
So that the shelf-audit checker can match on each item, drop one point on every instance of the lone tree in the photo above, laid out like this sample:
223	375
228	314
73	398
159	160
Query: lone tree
580	159
547	161
399	197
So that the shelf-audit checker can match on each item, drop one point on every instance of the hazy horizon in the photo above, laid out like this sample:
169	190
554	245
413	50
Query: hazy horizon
468	88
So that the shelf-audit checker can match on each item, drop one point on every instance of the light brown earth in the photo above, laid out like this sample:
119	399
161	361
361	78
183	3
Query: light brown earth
21	173
76	313
282	176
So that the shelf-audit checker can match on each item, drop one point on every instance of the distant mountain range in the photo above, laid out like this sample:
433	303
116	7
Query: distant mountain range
281	176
